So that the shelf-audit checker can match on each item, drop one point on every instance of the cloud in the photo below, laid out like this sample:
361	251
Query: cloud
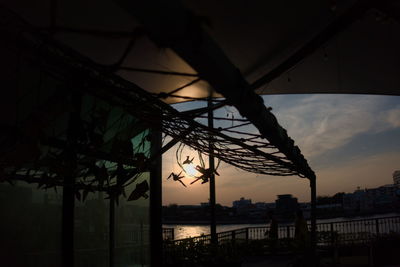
321	123
318	124
393	117
366	172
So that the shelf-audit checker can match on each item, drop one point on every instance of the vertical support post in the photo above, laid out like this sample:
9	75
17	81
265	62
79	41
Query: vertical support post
156	237
313	186
142	247
332	234
213	221
111	236
377	227
69	161
68	222
53	15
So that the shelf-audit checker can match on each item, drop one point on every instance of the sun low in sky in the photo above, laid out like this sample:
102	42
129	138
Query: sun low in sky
190	170
348	140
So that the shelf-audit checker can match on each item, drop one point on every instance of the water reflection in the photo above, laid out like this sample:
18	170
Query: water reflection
184	230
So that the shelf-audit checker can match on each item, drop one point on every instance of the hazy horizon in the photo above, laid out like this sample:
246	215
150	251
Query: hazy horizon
348	140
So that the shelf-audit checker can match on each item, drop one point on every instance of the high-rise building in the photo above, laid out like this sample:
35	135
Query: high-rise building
396	178
241	202
242	206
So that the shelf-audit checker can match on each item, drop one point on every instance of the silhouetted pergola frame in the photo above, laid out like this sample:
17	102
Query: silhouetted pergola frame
159	19
158	115
223	77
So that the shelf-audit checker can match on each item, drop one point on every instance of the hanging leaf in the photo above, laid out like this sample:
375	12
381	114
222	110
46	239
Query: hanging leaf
44	178
148	138
133	172
140	191
87	189
56	168
99	119
85	194
188	161
96	127
93	169
122	148
78	195
44	150
128	148
177	177
108	180
122	175
140	161
123	192
8	180
113	193
51	184
102	175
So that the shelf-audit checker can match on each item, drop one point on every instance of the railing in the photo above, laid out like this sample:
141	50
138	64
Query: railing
327	233
168	233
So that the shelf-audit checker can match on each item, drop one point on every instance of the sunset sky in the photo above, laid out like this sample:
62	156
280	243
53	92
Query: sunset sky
348	140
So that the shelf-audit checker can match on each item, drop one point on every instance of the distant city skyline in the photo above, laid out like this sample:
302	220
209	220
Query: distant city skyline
242	199
348	140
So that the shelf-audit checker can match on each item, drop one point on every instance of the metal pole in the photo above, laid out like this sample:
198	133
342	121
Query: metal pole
68	222
156	198
70	162
213	223
313	186
377	227
111	236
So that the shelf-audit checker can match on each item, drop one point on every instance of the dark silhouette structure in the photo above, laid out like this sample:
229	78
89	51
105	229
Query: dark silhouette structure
87	87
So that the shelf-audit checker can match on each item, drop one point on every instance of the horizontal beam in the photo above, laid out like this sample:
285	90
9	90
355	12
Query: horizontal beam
68	64
338	25
170	24
84	150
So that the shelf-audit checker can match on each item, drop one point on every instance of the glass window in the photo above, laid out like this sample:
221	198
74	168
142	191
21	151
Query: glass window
30	225
91	228
132	231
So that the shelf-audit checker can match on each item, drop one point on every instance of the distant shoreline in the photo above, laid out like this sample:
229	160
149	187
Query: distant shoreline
218	222
207	222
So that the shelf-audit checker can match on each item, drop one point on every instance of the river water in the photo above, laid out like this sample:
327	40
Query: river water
184	231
